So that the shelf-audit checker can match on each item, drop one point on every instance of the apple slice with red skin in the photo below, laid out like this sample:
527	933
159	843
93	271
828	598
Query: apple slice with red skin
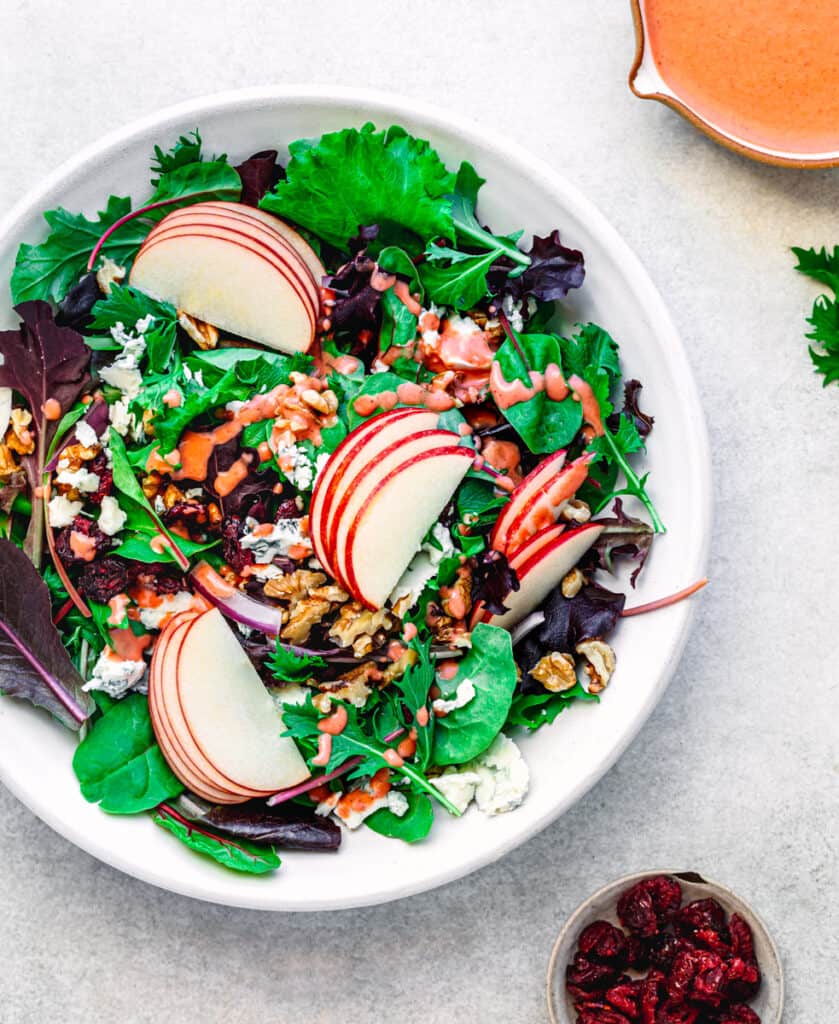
521	495
249	214
524	554
230	283
398	512
352	496
543	571
164	680
174	737
359	449
172	751
284	261
544	507
254	233
230	714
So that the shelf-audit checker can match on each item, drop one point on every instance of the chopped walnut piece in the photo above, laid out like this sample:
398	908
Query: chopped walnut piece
600	662
331	592
397	669
109	274
172	495
306	613
555	672
203	334
294	586
8	466
19	437
575	511
151	484
353	686
356	627
572	584
457	599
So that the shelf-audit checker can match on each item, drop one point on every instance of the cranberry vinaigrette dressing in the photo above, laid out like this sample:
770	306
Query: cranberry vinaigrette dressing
760	72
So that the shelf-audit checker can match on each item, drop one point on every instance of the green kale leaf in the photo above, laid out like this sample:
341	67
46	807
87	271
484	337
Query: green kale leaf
126	305
119	765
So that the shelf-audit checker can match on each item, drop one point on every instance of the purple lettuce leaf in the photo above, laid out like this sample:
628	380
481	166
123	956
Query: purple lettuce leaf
292	828
493	580
631	409
624	536
34	664
554	270
259	174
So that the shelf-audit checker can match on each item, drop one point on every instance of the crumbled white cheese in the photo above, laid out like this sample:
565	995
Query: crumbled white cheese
462	324
512	310
320	464
123	421
169	604
497	780
62	511
124	379
289	693
233	406
265	572
441	545
115	675
194	492
159	504
423	566
111	516
285	533
393	800
463	694
86	435
196	378
430	337
295	463
80	479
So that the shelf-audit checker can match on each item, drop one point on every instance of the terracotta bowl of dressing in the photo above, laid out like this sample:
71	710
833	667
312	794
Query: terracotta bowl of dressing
759	76
602	905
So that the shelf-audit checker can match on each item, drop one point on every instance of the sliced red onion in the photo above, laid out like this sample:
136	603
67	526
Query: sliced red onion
527	625
285	795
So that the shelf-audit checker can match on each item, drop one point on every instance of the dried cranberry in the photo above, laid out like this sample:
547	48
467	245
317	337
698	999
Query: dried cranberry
647	905
709	980
742	943
738	1013
599	1013
106	478
87	528
707	938
626	997
603	942
671	1013
742	979
159	578
190	511
288	509
235	555
650	999
705	913
663	949
102	580
589	977
636	952
681	976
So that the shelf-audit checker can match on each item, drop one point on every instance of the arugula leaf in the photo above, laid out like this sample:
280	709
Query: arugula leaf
127	305
119	765
47	271
413	686
461	282
469	229
823	266
293	668
137	547
468	731
301	722
352	178
413	826
533	710
543	425
616	448
238	855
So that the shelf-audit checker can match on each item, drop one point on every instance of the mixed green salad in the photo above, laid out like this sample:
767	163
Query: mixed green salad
308	490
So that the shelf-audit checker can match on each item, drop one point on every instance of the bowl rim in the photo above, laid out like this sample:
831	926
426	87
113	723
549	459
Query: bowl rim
558	1015
377	103
737	144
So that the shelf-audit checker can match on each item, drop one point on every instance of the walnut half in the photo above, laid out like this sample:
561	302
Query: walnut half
555	672
600	662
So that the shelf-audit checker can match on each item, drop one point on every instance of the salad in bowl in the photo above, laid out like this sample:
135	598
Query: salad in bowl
311	495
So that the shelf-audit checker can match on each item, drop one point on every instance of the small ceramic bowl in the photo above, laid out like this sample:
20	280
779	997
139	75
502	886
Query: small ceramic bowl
602	906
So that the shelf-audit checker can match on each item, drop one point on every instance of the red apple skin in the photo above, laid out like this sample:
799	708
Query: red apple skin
547	503
520	496
546	551
254	232
243	242
352	581
364	475
280	228
538	541
190	750
188	773
333	472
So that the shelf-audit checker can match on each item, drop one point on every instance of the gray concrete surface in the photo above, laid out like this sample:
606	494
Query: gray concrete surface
736	772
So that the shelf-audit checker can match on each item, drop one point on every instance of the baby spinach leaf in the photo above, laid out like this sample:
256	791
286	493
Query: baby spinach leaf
34	664
413	826
399	324
352	178
119	764
47	271
238	855
137	547
454	278
467	731
543	425
375	384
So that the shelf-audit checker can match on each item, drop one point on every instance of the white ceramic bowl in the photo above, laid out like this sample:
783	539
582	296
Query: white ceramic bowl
566	759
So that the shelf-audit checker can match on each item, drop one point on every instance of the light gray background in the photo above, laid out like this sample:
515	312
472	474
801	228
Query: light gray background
736	772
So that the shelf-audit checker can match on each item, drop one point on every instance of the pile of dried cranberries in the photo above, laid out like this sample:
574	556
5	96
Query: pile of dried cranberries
699	965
